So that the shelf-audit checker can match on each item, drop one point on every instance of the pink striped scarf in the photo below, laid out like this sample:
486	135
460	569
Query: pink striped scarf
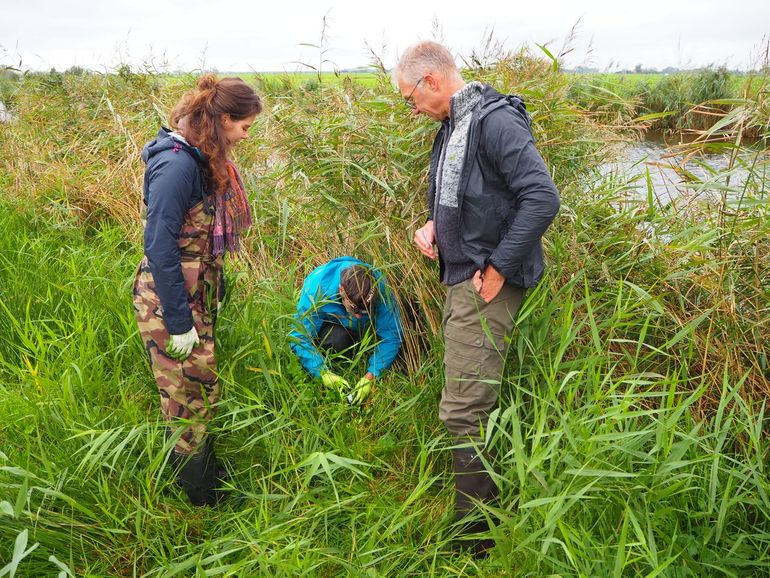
232	215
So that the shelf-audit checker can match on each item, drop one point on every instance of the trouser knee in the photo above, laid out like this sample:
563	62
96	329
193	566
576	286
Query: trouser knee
470	393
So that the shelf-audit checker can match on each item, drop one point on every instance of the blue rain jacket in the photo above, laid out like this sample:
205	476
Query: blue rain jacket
320	301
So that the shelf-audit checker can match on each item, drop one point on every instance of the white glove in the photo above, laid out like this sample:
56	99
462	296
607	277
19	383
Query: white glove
180	346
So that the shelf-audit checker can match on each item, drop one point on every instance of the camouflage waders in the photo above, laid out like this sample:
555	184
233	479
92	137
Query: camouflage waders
188	389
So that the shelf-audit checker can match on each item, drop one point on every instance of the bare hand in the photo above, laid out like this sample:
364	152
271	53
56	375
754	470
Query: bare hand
425	239
489	283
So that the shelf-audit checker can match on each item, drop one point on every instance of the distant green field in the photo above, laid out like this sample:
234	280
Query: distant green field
632	81
680	101
284	79
312	78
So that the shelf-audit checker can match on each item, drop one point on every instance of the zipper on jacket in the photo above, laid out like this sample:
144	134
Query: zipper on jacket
471	143
440	168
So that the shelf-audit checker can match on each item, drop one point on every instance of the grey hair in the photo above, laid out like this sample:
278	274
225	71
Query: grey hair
424	57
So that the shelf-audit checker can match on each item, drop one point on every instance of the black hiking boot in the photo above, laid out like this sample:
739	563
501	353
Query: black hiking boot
472	483
200	475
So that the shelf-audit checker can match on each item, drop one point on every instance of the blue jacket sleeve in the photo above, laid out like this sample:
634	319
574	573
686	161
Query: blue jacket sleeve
508	143
387	324
169	182
307	324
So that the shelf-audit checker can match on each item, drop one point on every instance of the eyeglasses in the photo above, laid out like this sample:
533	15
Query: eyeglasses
348	304
355	309
408	100
352	308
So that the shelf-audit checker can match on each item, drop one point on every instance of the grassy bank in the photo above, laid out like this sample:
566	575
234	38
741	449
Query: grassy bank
679	101
629	435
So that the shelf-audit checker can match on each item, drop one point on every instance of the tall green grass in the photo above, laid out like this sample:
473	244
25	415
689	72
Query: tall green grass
673	102
629	437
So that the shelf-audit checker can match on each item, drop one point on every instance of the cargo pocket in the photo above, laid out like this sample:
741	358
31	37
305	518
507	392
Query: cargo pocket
463	356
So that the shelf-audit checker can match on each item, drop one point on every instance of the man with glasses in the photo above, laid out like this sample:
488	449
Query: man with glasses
490	199
339	302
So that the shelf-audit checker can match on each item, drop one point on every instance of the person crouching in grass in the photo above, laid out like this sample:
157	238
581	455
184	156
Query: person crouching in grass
339	301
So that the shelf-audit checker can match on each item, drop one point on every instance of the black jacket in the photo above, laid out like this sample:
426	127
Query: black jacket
506	196
173	184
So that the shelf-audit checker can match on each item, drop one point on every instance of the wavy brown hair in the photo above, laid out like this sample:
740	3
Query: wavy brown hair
201	110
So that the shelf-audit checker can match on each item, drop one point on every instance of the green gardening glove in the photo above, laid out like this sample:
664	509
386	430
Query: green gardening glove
335	382
361	391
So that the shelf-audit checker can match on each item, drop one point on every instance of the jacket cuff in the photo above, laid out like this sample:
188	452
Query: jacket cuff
178	326
373	371
491	261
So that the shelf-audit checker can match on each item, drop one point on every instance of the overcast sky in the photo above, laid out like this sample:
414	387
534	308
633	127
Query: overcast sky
240	35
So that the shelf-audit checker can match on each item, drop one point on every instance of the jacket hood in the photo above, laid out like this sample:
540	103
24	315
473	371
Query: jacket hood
165	140
492	100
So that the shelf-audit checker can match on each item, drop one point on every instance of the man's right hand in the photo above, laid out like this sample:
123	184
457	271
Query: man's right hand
334	381
425	239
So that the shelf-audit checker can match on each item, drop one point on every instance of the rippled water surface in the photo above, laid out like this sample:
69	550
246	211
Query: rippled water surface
673	171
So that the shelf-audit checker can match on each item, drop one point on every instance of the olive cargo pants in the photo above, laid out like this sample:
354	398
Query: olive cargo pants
473	363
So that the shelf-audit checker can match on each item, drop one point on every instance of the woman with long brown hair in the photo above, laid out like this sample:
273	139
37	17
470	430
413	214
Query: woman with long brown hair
196	210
